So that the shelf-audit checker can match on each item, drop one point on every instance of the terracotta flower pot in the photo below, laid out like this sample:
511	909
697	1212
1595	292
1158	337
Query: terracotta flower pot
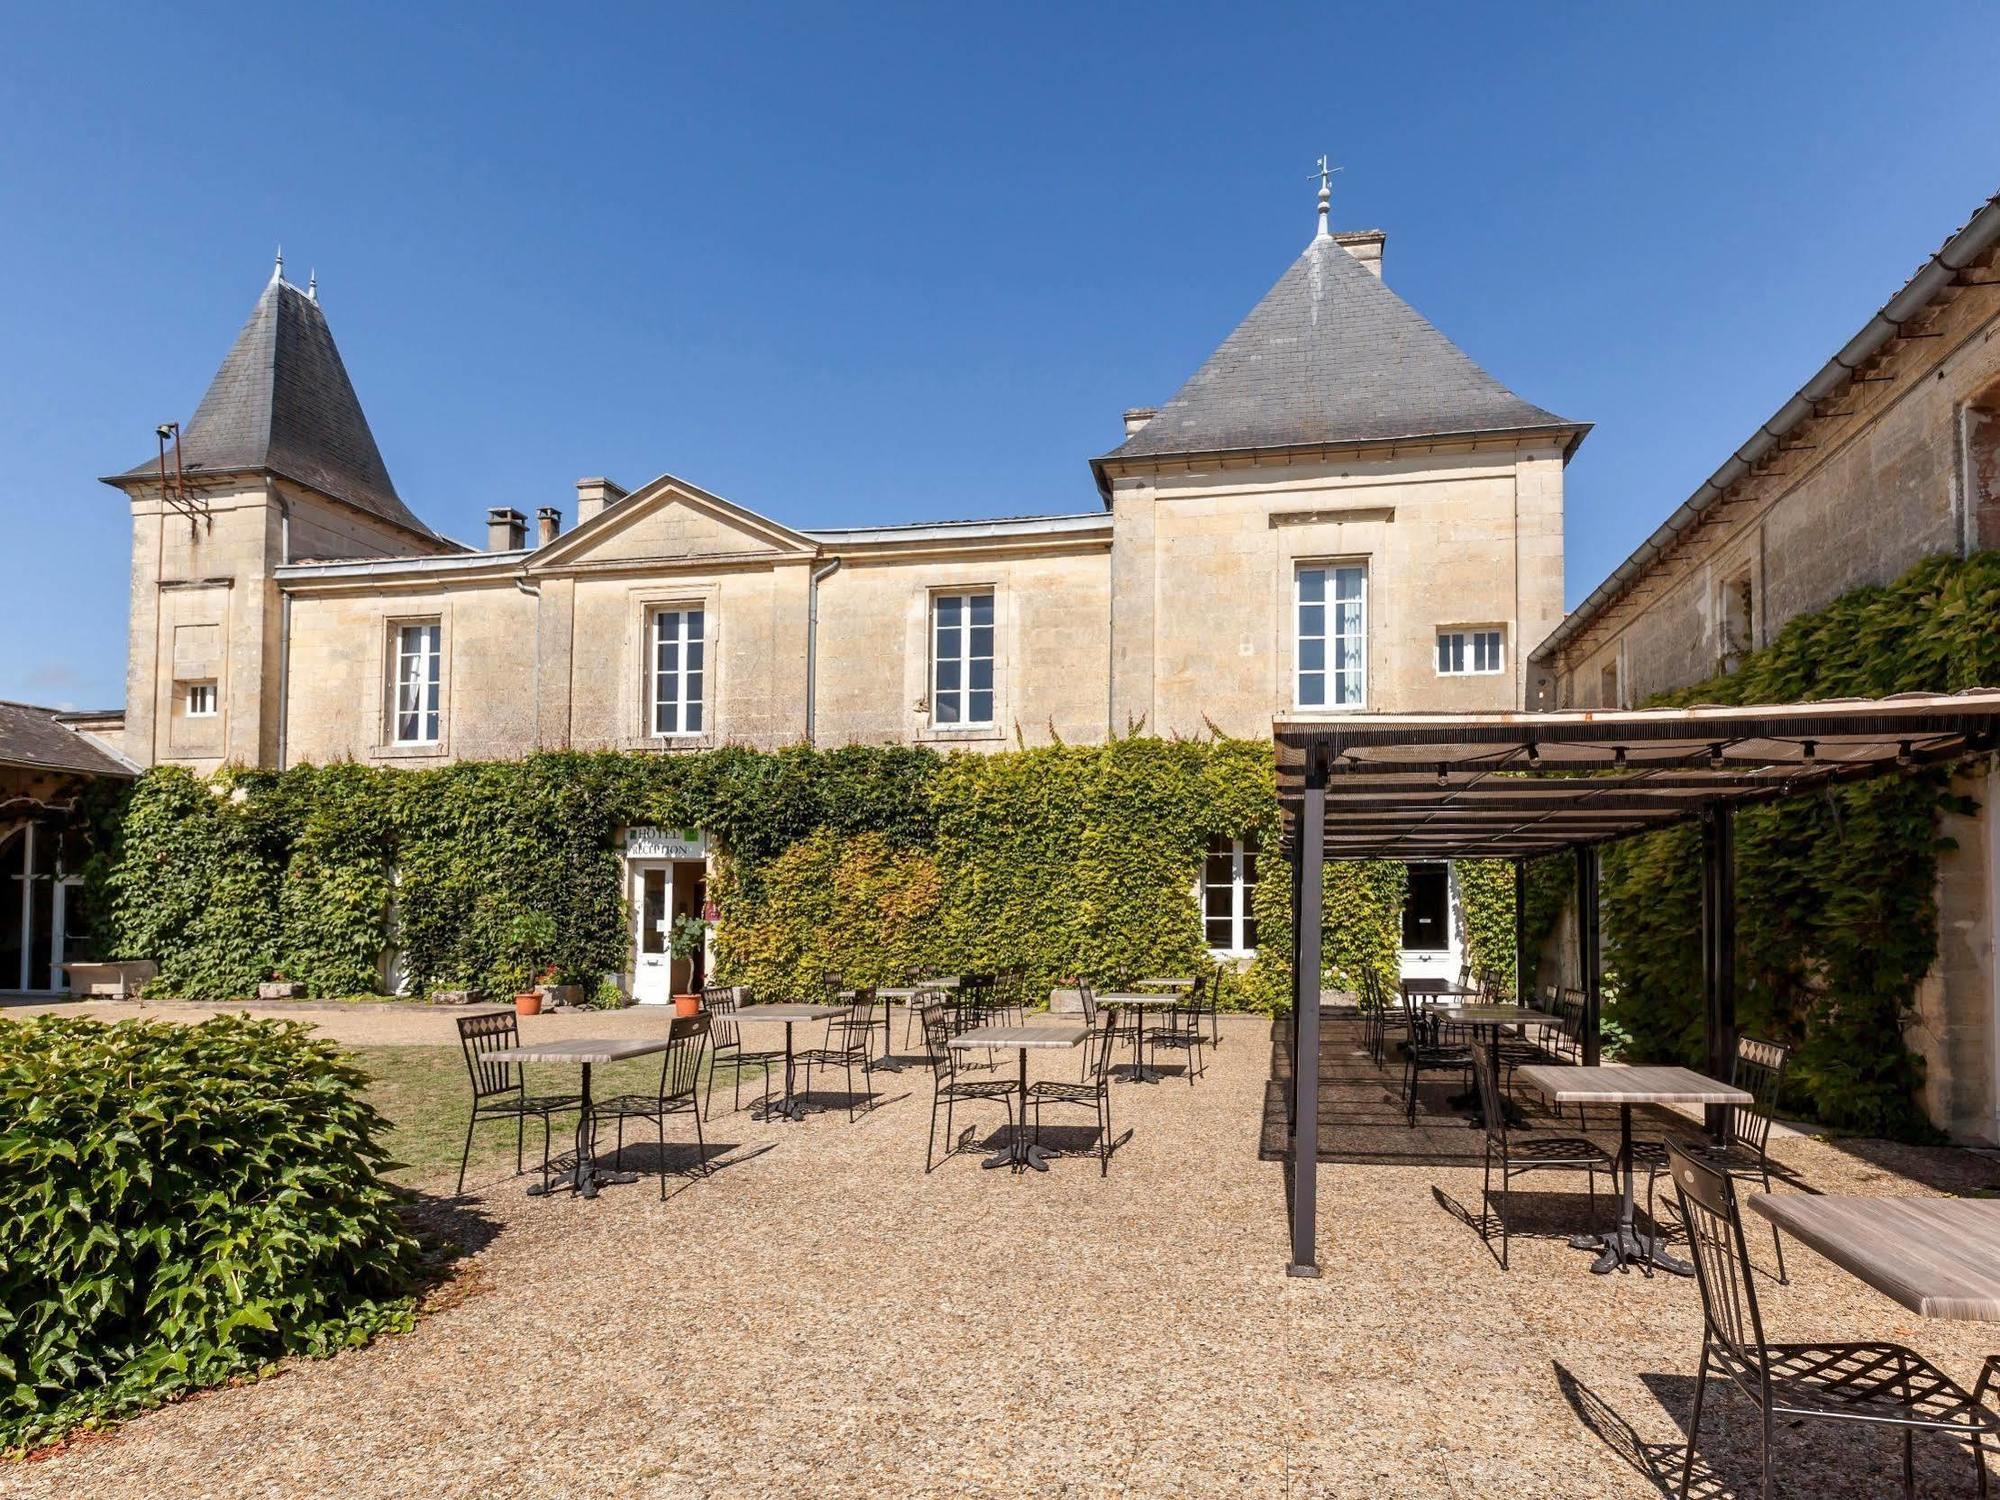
687	1005
528	1004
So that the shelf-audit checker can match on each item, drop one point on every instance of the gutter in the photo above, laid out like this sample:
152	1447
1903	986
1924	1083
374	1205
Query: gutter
1979	235
812	645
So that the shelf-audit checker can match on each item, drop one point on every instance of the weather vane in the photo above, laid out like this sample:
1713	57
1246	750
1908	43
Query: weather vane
1324	172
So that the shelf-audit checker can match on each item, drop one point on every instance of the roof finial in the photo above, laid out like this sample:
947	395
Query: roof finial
312	286
278	270
1324	173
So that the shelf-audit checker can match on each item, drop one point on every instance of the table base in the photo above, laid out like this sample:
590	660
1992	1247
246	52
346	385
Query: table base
779	1109
1018	1154
1623	1247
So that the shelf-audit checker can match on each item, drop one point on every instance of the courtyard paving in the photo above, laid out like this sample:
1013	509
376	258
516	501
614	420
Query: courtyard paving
821	1317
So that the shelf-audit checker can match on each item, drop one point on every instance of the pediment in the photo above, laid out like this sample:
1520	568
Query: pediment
671	521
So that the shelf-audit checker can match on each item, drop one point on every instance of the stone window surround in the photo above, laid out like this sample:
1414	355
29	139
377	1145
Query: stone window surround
642	603
386	744
1466	632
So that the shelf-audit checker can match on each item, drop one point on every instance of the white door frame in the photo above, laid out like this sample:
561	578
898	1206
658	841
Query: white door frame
645	987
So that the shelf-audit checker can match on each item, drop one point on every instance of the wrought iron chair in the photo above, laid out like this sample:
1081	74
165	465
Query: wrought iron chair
1424	1053
1886	1385
949	1088
680	1073
500	1090
1759	1069
1093	1092
1183	1027
1386	1020
725	1042
1539	1154
845	1044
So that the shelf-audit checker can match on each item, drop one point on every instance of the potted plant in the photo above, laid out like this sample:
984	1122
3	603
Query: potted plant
530	936
684	940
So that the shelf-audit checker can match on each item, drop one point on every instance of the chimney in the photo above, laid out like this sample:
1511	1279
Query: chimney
506	529
548	525
1138	417
595	495
1365	245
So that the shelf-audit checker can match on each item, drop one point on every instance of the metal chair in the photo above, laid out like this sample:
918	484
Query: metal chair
500	1090
680	1073
1886	1385
845	1044
1541	1154
1759	1069
949	1088
1423	1053
1093	1092
1183	1027
726	1041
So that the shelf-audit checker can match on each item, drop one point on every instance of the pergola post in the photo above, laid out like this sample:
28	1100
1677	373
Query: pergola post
1523	971
1589	950
1306	917
1718	950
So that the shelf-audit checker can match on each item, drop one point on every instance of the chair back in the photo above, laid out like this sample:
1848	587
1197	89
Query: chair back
680	1068
1416	1018
480	1035
937	1040
1489	1095
1721	1259
850	1027
1089	998
1097	1050
1760	1070
721	1001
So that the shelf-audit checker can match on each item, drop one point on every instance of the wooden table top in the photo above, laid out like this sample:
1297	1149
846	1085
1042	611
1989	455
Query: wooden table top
791	1012
1567	1085
1939	1257
1497	1015
1434	987
602	1049
1058	1035
1165	984
1133	997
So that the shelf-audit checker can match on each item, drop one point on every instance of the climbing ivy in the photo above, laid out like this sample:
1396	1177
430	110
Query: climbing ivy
1486	898
1836	907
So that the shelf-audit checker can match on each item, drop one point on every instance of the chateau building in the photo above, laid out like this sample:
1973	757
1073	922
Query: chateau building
1888	455
1338	509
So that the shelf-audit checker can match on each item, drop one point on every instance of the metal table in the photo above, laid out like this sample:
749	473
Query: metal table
1020	1151
584	1177
1163	984
1489	1019
1939	1257
788	1108
1139	1004
1626	1087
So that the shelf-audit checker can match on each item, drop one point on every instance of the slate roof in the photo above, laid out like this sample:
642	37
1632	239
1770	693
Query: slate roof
36	737
1329	356
282	402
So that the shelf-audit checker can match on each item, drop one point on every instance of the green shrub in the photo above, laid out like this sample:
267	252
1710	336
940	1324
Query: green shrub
180	1205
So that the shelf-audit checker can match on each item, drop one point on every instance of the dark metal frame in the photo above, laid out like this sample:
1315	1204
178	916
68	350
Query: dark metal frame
948	1088
846	1042
1886	1385
1542	1154
500	1090
1093	1093
724	1039
680	1075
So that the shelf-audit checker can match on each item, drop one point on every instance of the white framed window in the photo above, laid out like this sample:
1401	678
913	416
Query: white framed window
1330	641
679	670
1471	653
1228	883
419	677
962	660
200	700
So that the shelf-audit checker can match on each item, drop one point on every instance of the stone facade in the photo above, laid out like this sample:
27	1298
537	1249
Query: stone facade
1895	460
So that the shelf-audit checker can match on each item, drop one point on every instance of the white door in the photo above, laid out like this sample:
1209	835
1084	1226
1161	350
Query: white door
652	970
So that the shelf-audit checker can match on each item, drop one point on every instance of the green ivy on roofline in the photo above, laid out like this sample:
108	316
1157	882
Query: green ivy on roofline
1837	919
872	861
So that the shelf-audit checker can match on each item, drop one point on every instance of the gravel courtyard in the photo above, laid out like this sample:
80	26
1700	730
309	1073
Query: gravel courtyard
820	1317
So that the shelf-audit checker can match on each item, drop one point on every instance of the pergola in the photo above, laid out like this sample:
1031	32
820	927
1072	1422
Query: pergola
1518	785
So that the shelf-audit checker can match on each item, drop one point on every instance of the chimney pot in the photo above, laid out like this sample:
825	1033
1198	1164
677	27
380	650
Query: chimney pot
1365	245
595	495
1138	417
548	525
506	529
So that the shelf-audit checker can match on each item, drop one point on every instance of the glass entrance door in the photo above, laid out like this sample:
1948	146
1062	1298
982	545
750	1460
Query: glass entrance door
652	970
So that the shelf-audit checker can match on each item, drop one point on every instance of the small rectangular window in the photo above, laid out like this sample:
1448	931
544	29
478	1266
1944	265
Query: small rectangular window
419	677
1331	636
680	668
201	700
1463	653
1607	686
962	660
1228	889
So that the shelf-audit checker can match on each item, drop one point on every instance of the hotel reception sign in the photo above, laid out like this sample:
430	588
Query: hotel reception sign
665	843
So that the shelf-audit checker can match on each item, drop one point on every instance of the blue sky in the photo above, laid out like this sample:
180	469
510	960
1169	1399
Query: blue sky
887	263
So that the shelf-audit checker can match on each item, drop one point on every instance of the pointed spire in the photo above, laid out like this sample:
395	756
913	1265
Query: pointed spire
1324	173
312	286
278	270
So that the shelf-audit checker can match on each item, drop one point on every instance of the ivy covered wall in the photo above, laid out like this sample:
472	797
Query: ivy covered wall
1058	861
1836	895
